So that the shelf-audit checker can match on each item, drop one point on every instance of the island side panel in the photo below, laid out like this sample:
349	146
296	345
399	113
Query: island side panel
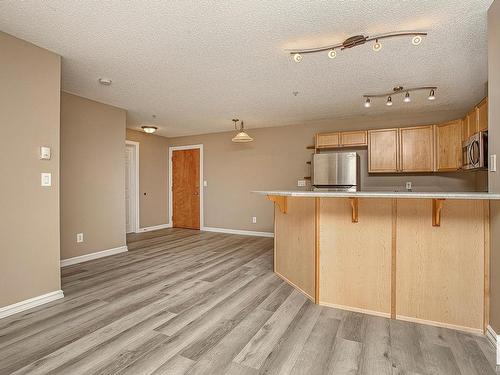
294	247
440	270
355	258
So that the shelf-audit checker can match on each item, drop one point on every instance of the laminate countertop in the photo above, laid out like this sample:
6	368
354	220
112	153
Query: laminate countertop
382	194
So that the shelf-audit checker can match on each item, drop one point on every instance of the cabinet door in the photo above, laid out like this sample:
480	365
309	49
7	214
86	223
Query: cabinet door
326	140
472	125
356	138
482	115
465	129
383	151
417	149
449	146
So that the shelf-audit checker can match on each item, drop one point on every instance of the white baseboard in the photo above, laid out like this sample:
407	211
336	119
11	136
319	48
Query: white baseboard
236	231
155	227
91	256
494	339
30	303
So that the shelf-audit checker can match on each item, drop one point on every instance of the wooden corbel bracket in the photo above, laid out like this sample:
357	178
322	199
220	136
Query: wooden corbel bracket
354	207
279	201
437	206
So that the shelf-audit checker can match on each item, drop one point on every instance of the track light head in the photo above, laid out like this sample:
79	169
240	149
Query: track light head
407	98
432	95
377	46
389	101
368	103
297	57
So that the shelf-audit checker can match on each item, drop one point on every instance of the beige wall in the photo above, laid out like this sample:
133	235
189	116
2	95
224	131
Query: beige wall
153	178
277	159
494	148
92	176
29	213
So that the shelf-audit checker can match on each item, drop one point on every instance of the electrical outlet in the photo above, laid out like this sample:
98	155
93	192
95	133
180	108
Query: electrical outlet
79	237
254	219
205	183
408	185
301	183
46	179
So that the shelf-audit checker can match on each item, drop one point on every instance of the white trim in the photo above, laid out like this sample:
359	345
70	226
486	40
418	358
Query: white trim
30	303
91	256
137	181
237	231
202	188
494	339
155	227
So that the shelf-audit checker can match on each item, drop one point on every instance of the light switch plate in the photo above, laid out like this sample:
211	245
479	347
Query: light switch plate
45	153
493	163
79	237
254	219
46	179
205	184
301	183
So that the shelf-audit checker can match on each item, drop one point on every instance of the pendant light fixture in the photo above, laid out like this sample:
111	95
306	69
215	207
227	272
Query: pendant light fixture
241	136
399	90
357	40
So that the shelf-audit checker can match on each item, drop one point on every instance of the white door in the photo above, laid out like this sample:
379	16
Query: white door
130	188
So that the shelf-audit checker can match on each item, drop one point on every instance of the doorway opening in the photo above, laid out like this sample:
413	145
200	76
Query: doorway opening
186	186
132	186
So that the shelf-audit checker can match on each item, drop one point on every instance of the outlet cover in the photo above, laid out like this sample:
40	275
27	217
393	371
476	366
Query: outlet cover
79	237
254	219
493	163
46	179
408	185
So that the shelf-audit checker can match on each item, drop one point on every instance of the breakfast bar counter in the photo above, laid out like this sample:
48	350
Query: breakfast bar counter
421	257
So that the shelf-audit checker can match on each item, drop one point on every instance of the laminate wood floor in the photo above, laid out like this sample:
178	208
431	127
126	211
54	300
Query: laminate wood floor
189	302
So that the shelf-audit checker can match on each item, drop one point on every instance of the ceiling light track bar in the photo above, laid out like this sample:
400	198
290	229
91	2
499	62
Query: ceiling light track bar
354	42
399	90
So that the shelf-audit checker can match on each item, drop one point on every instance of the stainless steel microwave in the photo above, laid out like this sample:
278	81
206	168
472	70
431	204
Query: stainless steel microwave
475	152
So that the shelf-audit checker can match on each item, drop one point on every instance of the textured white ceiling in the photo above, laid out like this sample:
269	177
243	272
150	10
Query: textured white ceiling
197	64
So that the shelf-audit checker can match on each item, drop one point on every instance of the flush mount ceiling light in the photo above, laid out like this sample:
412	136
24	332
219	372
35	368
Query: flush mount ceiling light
241	136
105	81
354	41
150	129
399	90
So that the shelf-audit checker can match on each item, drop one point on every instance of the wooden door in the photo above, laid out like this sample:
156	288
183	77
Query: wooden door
449	146
482	115
356	138
417	149
186	188
383	150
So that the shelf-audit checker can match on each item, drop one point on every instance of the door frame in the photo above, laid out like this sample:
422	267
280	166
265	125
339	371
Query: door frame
135	195
171	149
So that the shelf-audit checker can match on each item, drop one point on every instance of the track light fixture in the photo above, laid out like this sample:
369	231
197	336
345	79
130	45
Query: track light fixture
397	91
432	95
354	41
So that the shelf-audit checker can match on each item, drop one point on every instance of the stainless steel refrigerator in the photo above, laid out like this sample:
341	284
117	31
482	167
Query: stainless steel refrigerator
336	171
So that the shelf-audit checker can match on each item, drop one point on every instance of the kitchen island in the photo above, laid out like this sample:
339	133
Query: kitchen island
421	257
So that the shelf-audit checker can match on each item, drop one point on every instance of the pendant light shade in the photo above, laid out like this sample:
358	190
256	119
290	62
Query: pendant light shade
241	136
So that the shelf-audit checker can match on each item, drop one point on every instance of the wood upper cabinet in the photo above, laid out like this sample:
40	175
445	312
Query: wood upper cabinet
448	139
341	139
416	149
471	123
482	115
355	138
328	140
383	151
